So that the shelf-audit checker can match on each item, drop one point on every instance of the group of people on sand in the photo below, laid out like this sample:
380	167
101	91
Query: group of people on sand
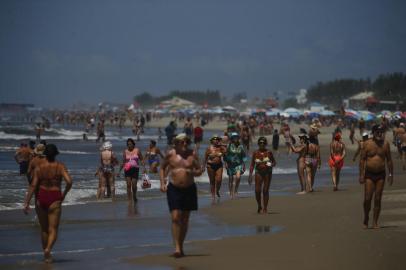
180	164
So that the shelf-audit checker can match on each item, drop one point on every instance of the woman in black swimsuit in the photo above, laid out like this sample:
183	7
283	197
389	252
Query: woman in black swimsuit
213	159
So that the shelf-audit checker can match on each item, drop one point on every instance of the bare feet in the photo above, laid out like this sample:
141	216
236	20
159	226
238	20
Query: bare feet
259	209
376	226
335	188
365	223
178	254
47	256
265	211
301	192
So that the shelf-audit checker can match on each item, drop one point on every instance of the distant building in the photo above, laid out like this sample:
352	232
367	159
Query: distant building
367	101
359	101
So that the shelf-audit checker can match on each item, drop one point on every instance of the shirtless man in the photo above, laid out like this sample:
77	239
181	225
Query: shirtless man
188	127
46	183
375	154
36	160
397	135
107	162
23	156
402	139
365	136
182	164
352	132
246	138
314	133
336	161
100	131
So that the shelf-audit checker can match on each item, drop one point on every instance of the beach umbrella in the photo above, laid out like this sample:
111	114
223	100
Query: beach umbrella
367	115
292	112
352	114
327	113
217	110
273	112
386	114
312	114
229	108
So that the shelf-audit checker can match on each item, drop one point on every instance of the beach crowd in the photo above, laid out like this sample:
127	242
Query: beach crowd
249	145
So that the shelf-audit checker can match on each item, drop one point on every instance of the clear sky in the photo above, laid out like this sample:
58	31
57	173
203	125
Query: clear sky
56	53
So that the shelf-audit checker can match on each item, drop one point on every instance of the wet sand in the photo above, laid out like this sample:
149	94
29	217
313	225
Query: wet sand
321	230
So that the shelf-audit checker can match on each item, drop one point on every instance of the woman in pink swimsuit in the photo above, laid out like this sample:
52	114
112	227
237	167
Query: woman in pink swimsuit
132	158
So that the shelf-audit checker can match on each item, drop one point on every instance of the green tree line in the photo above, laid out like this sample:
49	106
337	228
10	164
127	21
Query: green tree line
390	86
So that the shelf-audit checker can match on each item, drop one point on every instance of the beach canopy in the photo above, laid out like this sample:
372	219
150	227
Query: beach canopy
176	102
229	108
327	113
352	114
273	112
367	115
292	112
386	114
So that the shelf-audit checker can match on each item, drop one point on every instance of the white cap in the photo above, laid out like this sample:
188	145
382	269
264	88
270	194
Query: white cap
107	146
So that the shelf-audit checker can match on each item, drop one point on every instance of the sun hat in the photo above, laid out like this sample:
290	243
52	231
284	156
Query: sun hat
39	149
215	137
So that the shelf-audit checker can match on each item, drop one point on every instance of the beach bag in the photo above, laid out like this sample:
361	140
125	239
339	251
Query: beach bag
146	183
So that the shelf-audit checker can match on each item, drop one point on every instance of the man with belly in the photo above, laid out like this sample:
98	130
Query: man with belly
182	165
374	156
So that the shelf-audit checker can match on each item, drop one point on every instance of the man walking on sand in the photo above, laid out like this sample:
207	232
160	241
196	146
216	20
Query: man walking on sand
182	164
374	155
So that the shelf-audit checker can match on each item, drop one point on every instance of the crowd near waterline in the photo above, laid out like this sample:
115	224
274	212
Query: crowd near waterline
249	145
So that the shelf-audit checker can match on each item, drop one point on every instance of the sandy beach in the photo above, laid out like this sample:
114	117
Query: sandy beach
322	230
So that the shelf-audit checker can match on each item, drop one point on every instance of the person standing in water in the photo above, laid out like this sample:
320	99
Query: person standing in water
235	157
106	172
132	159
375	154
213	160
262	161
152	156
46	183
182	165
23	156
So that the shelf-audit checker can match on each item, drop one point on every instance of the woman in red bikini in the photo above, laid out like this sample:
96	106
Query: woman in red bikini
336	161
263	162
46	183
